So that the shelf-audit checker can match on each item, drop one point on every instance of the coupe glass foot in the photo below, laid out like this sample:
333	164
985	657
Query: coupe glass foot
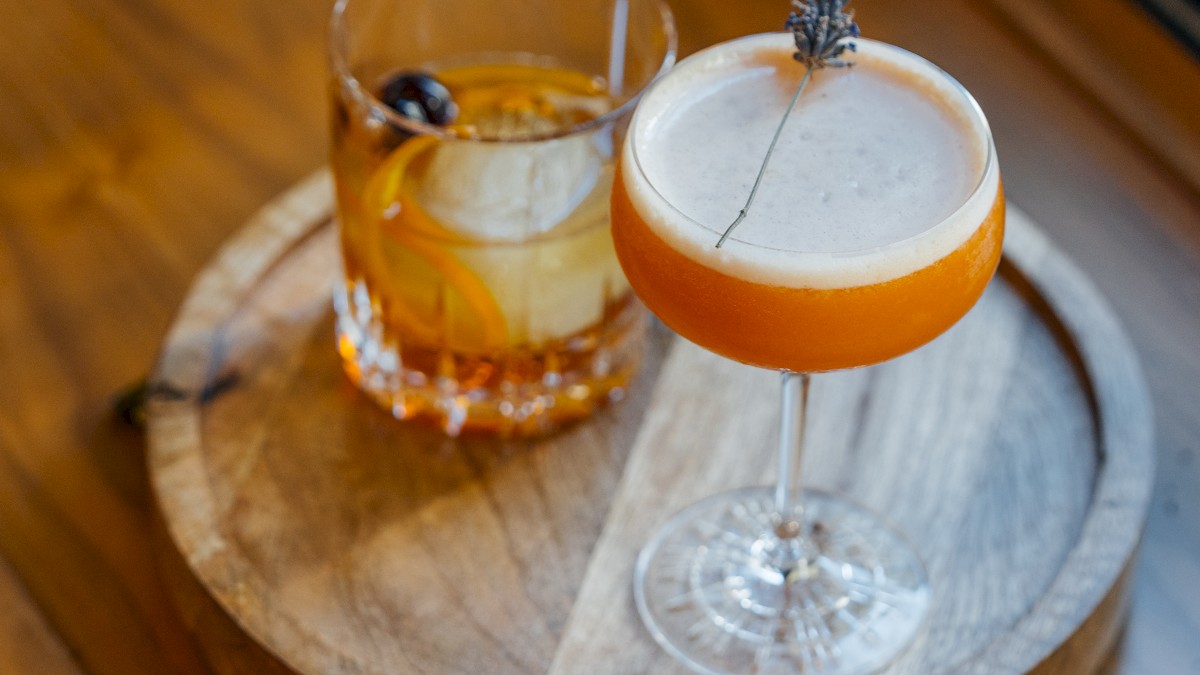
723	593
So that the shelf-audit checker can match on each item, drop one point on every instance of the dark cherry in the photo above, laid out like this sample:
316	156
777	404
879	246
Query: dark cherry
419	96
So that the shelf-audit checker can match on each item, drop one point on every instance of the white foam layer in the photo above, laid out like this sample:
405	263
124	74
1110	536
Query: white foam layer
881	170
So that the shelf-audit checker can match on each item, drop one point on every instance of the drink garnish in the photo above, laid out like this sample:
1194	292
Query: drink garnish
419	96
822	30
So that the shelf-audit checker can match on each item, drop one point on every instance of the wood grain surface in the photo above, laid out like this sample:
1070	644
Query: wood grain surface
138	136
1015	451
1123	58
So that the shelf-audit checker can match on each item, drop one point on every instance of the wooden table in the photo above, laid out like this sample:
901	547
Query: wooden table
138	136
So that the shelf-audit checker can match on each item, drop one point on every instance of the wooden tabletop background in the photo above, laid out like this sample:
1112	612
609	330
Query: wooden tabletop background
137	136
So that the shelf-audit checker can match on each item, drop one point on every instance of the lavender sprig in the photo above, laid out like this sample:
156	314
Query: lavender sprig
823	31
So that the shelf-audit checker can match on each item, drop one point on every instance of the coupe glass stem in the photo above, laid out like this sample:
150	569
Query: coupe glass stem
784	580
793	416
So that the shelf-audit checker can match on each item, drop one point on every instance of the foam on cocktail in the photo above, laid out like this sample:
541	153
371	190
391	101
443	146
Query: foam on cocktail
873	177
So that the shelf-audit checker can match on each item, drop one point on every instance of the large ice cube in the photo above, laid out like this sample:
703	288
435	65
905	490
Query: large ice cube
510	191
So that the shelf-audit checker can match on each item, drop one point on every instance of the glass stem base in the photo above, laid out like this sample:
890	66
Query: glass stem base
720	590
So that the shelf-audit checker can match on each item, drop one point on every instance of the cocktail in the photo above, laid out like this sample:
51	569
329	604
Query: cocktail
874	228
473	152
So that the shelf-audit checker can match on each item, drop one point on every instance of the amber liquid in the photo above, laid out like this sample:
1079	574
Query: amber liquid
482	292
763	304
804	329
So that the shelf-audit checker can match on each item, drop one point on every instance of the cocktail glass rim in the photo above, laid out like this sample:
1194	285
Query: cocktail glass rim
990	166
341	69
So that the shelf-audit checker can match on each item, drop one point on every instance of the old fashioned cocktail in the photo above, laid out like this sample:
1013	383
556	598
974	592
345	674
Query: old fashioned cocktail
473	152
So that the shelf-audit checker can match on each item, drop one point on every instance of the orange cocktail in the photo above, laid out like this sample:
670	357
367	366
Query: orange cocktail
804	329
875	218
474	148
793	308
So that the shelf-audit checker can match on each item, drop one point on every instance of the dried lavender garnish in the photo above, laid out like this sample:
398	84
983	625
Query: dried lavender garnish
823	31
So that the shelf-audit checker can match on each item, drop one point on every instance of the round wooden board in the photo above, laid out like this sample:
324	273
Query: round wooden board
1015	451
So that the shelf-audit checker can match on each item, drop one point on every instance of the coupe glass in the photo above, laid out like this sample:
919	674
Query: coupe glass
782	578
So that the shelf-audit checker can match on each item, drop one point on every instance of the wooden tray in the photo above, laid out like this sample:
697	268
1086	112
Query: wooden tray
1015	451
